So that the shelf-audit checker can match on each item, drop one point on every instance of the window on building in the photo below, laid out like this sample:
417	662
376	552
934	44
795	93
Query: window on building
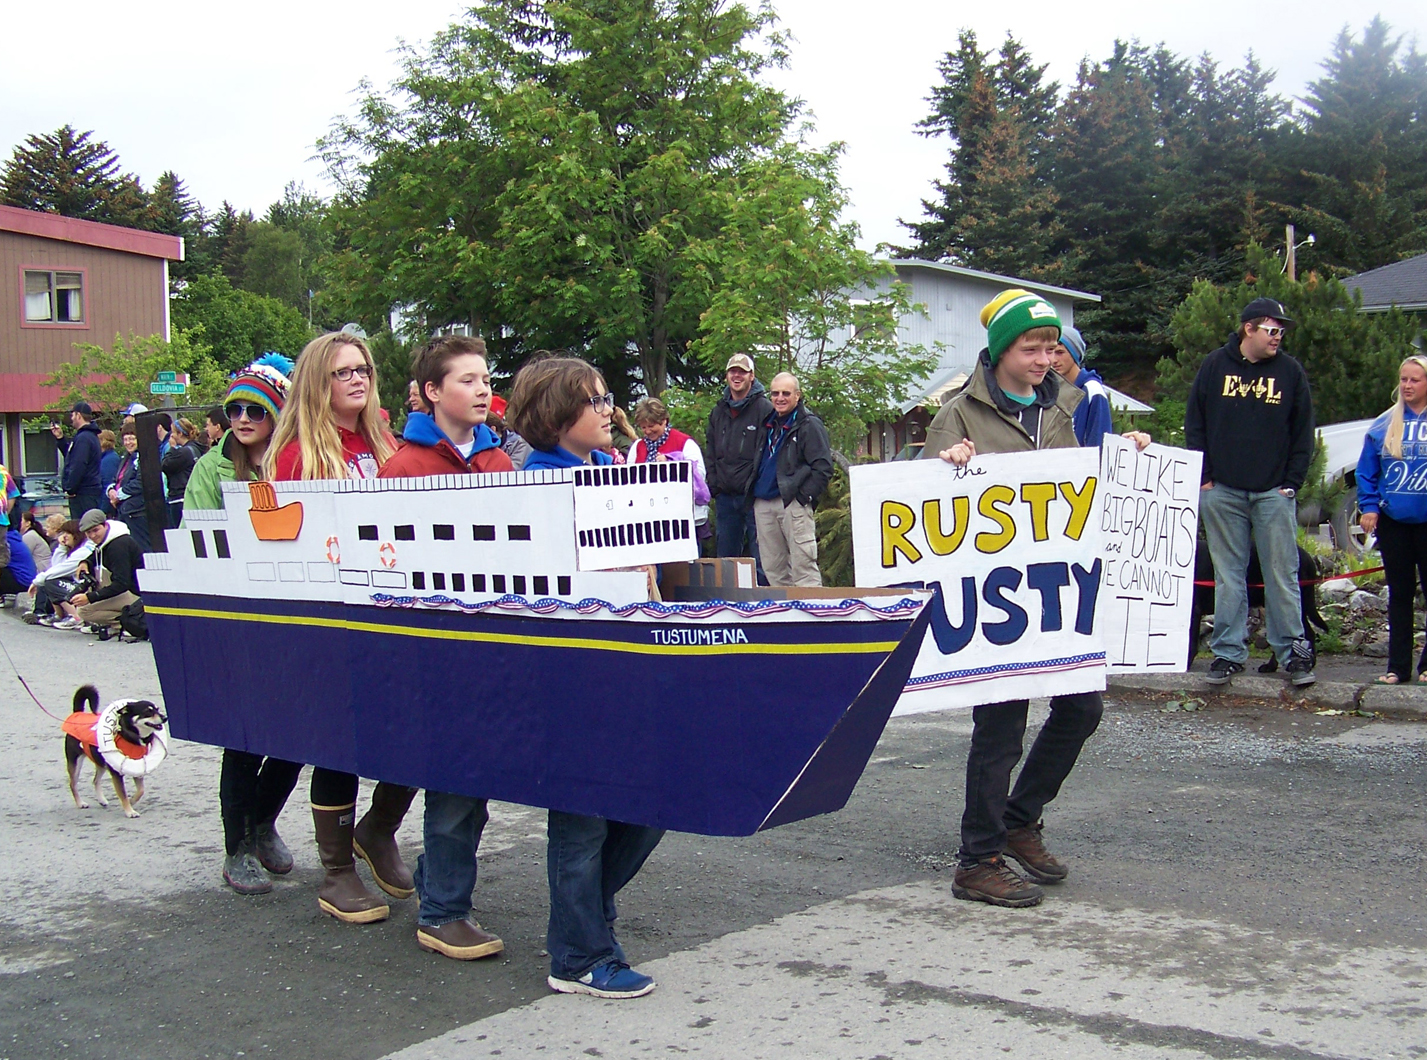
54	297
41	456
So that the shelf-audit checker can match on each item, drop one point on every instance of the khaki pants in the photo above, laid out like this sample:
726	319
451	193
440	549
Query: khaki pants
787	542
105	612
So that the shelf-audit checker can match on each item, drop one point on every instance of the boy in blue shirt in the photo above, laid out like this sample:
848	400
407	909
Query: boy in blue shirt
562	407
1092	416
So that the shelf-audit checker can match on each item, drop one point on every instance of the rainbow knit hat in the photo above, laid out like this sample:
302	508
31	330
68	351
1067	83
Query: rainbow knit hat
1011	314
264	382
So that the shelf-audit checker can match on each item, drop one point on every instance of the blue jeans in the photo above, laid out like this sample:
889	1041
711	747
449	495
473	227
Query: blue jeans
735	526
588	860
1232	518
446	869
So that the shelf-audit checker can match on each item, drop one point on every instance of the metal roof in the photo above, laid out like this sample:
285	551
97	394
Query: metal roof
90	233
1402	284
1010	281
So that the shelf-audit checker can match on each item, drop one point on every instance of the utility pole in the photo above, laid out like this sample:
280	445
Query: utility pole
1290	259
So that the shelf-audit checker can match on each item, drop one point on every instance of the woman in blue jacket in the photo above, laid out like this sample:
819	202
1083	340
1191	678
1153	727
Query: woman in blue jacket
1392	495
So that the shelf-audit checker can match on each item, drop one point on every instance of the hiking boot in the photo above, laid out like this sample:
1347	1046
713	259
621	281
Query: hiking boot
243	873
1222	670
374	840
343	894
269	849
1300	663
1027	847
996	883
461	940
609	978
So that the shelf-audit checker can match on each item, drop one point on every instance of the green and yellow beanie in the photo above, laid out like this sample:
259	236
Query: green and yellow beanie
1010	315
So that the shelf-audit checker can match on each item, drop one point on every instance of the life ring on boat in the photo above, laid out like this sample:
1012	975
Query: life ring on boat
387	554
124	756
334	550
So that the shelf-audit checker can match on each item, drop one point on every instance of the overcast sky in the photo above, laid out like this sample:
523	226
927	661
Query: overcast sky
232	97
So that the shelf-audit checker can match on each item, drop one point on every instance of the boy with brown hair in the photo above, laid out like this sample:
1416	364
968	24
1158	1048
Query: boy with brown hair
455	384
1014	403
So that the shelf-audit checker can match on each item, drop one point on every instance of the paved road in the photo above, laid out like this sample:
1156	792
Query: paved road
1247	882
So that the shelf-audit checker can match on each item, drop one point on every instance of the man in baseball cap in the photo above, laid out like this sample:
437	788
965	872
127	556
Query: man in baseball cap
1250	412
80	480
731	454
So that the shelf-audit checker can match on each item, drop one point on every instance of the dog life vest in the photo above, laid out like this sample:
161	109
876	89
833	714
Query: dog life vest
122	754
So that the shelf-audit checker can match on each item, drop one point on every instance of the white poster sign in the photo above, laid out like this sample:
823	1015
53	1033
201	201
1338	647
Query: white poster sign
1013	542
1148	510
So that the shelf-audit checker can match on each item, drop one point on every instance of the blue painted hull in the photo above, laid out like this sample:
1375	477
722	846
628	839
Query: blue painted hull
755	726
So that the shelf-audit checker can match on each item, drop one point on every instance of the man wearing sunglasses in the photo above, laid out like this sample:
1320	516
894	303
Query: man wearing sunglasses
1250	413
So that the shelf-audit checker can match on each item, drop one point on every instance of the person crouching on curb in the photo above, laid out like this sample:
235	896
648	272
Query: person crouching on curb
252	789
562	407
331	427
1013	403
453	379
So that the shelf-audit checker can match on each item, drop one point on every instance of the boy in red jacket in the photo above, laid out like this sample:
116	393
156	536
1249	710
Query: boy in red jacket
455	383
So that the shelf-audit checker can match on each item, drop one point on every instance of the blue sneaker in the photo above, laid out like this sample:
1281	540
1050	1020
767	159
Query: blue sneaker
609	978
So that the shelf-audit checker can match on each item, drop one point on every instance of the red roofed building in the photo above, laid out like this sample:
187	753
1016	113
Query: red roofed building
63	281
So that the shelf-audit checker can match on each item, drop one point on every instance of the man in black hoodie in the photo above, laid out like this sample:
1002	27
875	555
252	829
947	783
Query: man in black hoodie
80	480
732	458
1250	413
115	564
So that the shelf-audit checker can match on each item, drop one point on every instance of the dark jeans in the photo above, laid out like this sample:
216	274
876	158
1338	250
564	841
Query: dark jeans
737	532
588	860
252	790
332	789
1404	554
83	502
997	737
446	869
48	594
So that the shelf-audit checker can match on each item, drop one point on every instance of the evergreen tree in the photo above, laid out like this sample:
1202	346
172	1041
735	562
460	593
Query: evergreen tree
1351	357
1361	156
67	172
226	244
173	210
995	210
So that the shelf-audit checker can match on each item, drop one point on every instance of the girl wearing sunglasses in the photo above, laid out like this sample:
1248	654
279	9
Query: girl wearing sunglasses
332	428
252	789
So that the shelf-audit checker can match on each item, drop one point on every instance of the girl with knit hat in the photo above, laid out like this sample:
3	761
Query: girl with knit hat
1014	403
332	428
252	790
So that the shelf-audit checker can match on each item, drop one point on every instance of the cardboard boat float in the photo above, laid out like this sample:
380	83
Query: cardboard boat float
475	634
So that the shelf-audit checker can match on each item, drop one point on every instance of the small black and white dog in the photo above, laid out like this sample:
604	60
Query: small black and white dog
138	721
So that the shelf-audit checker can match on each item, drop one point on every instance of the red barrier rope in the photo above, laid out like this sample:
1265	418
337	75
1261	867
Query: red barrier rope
1317	581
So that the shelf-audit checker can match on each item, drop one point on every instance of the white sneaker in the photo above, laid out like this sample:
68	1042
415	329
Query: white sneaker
67	623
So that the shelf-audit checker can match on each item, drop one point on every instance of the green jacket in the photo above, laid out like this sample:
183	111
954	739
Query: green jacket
205	484
994	426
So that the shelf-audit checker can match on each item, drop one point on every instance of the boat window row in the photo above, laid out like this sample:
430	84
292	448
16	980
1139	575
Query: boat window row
519	584
445	532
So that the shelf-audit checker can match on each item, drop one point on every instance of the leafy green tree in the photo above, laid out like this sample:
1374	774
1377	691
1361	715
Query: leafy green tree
1351	357
67	172
120	375
238	325
302	216
561	175
272	264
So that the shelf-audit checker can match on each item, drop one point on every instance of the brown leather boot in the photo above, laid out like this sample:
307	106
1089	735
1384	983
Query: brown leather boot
996	883
343	894
375	839
1027	847
461	940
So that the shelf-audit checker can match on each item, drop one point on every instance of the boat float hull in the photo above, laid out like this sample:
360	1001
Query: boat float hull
698	727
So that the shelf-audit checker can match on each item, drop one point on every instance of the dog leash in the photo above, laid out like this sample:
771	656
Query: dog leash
24	684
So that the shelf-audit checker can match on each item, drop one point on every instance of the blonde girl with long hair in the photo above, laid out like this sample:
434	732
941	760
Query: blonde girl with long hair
1392	496
331	427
